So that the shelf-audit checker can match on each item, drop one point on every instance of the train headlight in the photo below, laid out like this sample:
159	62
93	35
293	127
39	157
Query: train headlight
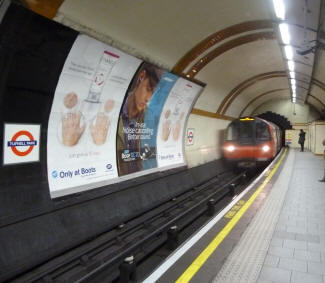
265	148
230	148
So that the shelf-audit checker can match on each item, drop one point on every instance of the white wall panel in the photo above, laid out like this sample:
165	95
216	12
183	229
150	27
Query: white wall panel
208	137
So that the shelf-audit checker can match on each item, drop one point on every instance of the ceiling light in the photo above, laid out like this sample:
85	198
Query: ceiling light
294	100
288	51
291	66
284	31
279	9
293	87
293	81
292	75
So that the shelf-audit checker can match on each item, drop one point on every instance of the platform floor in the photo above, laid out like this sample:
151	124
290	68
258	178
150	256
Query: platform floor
272	232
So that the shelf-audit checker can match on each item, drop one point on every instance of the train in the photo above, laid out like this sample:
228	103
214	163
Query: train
251	142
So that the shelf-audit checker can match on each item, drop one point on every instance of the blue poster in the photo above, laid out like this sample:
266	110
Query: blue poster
152	117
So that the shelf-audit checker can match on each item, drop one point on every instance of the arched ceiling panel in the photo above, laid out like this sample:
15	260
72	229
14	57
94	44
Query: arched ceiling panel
318	92
224	47
253	91
222	76
317	103
319	69
215	39
162	30
253	103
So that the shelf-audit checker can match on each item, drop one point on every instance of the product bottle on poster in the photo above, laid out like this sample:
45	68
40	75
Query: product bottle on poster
177	108
103	69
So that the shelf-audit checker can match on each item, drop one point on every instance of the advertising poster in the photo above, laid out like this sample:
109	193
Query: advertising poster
21	143
82	127
288	137
139	117
172	122
149	157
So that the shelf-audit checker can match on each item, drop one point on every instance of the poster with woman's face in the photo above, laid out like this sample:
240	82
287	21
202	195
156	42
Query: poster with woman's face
84	116
139	117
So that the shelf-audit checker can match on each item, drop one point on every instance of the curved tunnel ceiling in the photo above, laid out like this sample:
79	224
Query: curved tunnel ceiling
230	45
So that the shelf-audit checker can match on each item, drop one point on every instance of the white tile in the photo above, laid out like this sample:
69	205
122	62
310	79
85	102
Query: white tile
284	235
293	244
271	260
314	247
275	274
293	264
276	242
281	252
307	255
308	238
302	277
316	267
295	229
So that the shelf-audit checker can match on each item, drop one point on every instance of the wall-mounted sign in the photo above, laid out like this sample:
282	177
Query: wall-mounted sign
21	143
190	136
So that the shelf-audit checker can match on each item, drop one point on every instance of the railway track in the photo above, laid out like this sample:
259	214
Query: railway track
129	249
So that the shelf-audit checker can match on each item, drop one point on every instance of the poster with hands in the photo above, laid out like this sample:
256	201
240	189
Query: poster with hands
170	138
81	142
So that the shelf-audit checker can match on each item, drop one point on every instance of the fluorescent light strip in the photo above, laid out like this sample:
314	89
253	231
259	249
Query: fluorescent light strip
288	52
279	9
285	35
292	75
291	66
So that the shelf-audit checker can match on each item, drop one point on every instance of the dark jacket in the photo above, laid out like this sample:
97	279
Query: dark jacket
302	137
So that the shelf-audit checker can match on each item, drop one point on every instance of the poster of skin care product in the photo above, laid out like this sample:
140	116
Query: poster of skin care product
81	144
170	137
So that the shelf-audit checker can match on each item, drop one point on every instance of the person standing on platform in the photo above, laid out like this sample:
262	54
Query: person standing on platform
323	179
301	140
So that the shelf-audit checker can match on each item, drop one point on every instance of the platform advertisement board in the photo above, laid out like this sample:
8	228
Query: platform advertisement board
139	117
170	138
81	144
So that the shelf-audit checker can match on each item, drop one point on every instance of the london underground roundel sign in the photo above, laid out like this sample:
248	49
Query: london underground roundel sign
17	145
21	143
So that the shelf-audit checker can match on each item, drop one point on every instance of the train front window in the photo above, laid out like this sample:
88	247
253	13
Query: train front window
232	132
241	132
246	130
262	132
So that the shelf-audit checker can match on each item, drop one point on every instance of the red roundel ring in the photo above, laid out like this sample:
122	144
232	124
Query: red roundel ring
14	138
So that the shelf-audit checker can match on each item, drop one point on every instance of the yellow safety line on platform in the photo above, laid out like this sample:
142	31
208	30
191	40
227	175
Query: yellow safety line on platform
205	254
